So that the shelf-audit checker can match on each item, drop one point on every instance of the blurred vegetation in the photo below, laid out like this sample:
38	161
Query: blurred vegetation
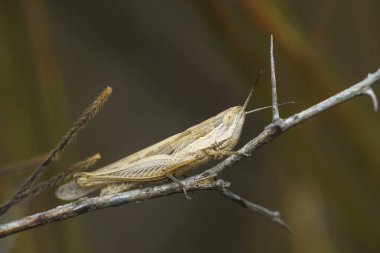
173	64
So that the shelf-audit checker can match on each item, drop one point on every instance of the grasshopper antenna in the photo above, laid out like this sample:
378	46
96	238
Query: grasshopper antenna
267	107
252	90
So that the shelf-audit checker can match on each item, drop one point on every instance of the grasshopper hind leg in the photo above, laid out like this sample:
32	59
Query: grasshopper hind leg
179	182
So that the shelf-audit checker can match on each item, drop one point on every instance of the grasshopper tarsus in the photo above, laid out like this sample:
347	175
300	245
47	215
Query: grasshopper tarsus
242	153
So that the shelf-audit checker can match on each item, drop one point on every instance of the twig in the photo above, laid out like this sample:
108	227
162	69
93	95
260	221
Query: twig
273	216
85	205
54	180
88	114
362	88
203	181
22	166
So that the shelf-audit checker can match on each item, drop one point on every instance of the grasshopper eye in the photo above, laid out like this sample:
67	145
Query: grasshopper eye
227	119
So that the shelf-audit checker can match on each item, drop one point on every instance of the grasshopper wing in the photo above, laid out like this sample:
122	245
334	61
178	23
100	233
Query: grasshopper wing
72	191
147	169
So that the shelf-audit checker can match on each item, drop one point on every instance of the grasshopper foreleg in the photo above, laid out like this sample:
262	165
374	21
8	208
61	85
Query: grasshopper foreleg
219	154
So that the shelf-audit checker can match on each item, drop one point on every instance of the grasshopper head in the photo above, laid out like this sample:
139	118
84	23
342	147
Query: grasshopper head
230	122
233	116
228	126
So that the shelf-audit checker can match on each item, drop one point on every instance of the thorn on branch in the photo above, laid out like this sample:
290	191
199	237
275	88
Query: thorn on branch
369	92
275	111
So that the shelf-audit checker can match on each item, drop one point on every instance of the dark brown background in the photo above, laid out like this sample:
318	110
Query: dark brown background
173	64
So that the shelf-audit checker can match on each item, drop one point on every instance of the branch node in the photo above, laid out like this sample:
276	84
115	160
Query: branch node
221	184
369	92
276	125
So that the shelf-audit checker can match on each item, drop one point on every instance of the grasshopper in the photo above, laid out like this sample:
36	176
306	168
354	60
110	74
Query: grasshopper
211	139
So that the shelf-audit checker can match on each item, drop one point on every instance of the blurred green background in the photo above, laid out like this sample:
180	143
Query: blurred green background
173	64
